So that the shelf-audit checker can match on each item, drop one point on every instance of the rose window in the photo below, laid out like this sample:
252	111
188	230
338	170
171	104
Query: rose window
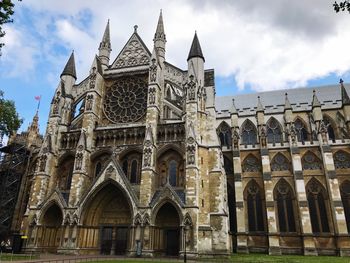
126	100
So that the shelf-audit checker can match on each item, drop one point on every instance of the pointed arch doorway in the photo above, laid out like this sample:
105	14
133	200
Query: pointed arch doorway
107	222
51	229
167	230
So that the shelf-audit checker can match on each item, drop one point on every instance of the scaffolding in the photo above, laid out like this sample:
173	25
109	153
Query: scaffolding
13	163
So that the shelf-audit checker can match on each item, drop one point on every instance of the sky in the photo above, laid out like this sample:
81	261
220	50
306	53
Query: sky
252	45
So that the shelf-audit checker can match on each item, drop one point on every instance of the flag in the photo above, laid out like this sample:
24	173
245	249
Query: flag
37	97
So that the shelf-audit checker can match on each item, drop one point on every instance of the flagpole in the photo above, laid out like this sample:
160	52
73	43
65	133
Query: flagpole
39	103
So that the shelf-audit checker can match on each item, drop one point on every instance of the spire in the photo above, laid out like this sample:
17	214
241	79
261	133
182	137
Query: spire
159	39
344	95
160	34
233	109
106	39
287	105
260	106
69	69
105	47
315	101
196	51
34	126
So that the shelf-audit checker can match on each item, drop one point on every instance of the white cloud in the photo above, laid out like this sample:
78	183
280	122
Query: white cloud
268	44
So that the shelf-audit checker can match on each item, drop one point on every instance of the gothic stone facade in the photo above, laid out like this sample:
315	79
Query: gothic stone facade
141	156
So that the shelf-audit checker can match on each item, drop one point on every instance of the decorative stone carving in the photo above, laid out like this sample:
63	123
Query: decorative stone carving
191	89
323	130
109	171
153	71
311	162
293	133
89	102
147	157
126	100
341	160
251	164
280	163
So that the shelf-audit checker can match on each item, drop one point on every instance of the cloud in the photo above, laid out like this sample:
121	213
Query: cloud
264	45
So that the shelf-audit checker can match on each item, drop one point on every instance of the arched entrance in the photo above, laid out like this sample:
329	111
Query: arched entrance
50	229
107	222
167	230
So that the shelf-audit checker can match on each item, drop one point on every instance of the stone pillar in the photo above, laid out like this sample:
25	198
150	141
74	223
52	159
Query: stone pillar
304	213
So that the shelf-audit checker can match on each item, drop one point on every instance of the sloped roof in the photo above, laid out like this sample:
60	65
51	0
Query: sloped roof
274	101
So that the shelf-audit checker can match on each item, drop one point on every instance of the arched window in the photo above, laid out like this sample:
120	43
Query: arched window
172	172
316	197
341	160
133	172
285	209
274	131
66	173
131	165
170	169
345	197
280	163
98	169
330	129
248	133
301	130
255	207
311	162
168	94
224	132
251	164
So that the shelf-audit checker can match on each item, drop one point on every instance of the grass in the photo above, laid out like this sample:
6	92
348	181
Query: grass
15	257
249	258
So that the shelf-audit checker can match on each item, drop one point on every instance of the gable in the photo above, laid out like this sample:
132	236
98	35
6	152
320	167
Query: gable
134	53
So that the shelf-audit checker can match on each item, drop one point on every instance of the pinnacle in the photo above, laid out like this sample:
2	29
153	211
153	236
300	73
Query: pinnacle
106	37
344	95
287	105
233	109
260	106
69	69
196	51
315	101
160	34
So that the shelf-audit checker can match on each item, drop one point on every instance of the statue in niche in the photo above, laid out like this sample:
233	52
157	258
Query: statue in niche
235	138
152	95
56	102
191	89
93	78
293	133
78	161
153	71
191	149
42	163
89	101
323	131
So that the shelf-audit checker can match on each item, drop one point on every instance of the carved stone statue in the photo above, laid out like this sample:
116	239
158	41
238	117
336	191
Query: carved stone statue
89	102
93	78
153	71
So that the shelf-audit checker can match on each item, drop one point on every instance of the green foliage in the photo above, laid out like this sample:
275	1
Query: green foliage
342	6
9	119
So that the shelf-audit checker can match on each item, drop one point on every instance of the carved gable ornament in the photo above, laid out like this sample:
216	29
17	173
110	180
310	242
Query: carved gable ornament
134	53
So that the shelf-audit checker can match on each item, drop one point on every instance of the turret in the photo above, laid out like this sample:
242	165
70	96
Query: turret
160	39
195	62
33	131
105	47
288	113
69	74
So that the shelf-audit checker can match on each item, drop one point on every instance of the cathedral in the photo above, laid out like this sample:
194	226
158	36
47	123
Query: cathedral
142	159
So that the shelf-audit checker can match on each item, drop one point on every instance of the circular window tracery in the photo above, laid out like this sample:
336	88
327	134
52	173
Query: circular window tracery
126	100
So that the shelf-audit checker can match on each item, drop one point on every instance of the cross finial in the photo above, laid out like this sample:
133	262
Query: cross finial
135	28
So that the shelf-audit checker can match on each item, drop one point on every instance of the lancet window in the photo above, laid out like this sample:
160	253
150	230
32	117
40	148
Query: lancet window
224	133
301	130
330	129
171	169
131	165
274	131
248	133
255	207
345	197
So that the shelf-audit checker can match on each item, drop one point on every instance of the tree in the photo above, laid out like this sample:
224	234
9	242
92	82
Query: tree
342	6
9	119
6	11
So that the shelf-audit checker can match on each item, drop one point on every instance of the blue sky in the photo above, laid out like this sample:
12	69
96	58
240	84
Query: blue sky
252	46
